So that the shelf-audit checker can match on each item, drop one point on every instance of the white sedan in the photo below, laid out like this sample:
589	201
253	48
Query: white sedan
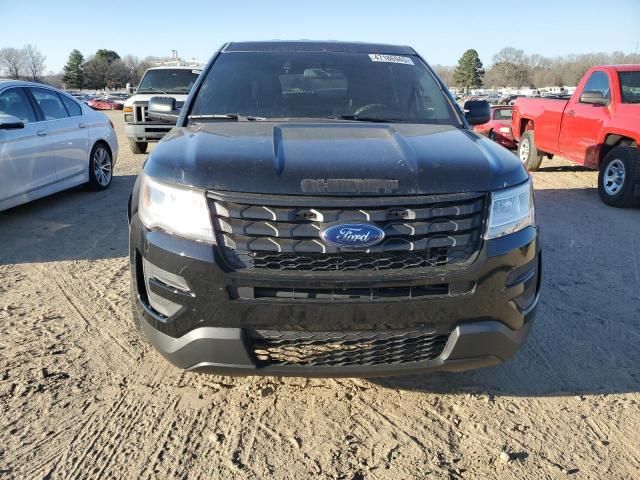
50	142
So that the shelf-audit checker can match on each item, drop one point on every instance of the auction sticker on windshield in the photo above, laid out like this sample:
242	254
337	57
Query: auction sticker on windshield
390	59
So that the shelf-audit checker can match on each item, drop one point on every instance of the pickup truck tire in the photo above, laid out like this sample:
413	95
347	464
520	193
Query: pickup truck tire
528	152
618	176
138	147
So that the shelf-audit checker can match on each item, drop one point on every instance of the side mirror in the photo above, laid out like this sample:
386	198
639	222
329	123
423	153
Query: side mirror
477	112
9	122
164	109
594	97
131	89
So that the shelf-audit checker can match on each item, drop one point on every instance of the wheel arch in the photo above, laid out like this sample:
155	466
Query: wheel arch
525	124
613	140
102	141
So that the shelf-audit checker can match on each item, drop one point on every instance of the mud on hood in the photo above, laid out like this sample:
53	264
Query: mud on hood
333	158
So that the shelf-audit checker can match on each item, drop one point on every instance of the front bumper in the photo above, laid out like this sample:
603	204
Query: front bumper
146	132
210	329
224	351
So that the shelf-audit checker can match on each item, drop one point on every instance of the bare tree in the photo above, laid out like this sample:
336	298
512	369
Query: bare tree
135	67
117	74
445	72
34	61
13	62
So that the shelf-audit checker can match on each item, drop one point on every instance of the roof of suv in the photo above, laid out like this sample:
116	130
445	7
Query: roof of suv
317	46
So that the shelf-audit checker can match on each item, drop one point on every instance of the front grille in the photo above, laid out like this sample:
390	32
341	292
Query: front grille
139	113
342	349
350	293
267	233
319	262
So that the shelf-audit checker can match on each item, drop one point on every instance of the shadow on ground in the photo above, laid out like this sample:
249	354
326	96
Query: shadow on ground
564	168
75	224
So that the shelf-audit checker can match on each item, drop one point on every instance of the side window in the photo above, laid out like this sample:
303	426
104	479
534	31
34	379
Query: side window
50	104
503	114
431	103
598	82
72	107
15	102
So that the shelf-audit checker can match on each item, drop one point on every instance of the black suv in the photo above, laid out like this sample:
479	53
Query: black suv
323	208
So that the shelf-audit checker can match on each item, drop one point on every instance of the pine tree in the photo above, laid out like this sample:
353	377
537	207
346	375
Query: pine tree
74	70
469	72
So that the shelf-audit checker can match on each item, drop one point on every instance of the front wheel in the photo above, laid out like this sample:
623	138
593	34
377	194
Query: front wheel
528	152
619	173
100	167
138	147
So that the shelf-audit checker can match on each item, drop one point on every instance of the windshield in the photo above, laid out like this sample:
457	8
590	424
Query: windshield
179	80
630	86
355	86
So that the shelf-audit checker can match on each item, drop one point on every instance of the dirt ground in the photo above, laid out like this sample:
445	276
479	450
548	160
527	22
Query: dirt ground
82	397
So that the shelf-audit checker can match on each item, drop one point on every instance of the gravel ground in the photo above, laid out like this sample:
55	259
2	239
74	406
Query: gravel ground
83	397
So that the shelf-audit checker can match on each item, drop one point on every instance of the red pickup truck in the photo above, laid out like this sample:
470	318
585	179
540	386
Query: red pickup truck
598	127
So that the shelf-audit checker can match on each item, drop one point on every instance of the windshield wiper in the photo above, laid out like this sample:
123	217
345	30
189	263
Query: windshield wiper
226	116
359	118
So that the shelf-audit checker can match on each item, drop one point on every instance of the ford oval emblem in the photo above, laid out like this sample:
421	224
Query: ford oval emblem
353	235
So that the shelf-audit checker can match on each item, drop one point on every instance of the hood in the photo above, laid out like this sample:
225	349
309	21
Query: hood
333	158
144	97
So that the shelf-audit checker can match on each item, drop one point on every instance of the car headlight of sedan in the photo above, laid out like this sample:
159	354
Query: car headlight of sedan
512	210
505	130
178	210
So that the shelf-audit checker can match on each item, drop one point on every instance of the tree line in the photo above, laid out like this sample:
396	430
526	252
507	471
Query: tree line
26	62
104	69
511	67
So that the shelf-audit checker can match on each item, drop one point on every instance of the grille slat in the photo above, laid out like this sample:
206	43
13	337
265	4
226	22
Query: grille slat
330	215
366	348
442	230
310	230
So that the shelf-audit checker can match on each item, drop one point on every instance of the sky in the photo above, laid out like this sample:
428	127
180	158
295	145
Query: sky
439	30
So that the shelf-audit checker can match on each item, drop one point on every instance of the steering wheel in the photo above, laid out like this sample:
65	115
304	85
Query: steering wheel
370	107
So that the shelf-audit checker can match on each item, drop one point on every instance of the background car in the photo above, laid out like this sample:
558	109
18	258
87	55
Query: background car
105	104
509	99
50	142
498	128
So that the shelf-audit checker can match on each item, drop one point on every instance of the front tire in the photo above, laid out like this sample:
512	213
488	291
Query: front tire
100	167
528	152
138	147
619	173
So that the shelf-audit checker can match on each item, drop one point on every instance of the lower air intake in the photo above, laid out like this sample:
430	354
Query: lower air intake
340	349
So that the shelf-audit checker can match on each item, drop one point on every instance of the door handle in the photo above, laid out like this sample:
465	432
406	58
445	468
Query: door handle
571	113
81	125
41	133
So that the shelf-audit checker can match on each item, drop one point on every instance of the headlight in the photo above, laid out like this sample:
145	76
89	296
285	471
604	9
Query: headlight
505	130
511	210
177	210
